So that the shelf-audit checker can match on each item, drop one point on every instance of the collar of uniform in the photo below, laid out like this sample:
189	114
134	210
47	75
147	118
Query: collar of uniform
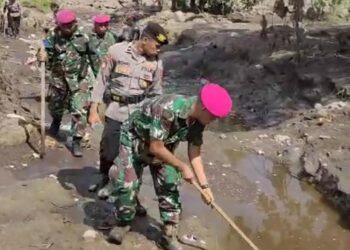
185	111
77	33
133	51
95	35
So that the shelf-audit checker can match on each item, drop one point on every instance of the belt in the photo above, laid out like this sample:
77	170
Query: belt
128	99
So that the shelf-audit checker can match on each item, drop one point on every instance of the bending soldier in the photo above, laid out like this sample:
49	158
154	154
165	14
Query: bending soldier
149	137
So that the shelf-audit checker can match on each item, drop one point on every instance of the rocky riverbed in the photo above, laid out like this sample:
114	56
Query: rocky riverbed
278	165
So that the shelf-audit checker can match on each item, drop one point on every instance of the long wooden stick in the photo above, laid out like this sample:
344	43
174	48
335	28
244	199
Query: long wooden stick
42	120
228	219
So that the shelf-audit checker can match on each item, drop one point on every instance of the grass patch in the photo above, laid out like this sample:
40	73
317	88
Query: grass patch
42	5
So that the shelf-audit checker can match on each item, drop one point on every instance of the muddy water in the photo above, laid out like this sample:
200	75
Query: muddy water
283	213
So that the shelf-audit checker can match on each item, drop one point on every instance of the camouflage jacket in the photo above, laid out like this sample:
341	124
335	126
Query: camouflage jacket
12	8
99	48
166	118
68	59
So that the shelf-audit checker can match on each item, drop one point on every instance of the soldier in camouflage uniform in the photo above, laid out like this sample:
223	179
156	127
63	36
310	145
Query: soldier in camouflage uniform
130	73
149	137
100	40
13	9
66	48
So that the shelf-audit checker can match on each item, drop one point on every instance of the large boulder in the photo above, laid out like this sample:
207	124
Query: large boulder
13	132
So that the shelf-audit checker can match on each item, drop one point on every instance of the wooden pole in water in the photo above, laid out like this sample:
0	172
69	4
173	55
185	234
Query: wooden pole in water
42	120
228	219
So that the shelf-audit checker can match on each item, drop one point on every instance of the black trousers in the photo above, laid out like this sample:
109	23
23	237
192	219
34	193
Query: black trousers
109	146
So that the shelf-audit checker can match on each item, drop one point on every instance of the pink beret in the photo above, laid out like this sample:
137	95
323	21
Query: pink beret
65	17
101	19
216	100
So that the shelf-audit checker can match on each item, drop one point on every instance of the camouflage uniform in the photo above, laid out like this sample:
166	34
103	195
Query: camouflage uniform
13	17
164	118
99	47
71	78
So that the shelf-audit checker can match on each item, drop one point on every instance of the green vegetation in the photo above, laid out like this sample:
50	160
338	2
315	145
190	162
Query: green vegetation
332	8
42	5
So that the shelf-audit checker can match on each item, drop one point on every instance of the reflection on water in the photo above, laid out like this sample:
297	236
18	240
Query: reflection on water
282	213
285	214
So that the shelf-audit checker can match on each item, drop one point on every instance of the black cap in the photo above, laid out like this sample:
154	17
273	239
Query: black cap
156	32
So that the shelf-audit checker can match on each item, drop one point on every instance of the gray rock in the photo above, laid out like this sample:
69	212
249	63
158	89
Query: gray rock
187	37
179	16
12	133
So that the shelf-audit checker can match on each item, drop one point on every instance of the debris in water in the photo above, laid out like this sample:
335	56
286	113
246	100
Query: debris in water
223	136
263	136
260	152
259	66
53	176
323	137
76	199
223	174
226	165
24	165
210	163
193	241
36	156
90	235
234	34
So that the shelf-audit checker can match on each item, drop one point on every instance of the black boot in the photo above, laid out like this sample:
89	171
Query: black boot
140	210
54	127
169	241
103	182
76	147
117	234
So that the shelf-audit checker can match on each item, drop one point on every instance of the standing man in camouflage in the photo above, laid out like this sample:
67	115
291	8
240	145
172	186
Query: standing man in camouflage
101	38
149	137
14	14
130	73
67	54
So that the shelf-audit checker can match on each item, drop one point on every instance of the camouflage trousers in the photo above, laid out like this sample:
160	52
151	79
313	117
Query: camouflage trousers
13	24
77	103
126	179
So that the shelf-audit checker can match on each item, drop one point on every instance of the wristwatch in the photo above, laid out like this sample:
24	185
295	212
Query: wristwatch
205	186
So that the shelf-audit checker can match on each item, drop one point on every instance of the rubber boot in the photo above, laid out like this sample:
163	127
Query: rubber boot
103	182
169	241
117	234
140	210
76	148
54	127
105	191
